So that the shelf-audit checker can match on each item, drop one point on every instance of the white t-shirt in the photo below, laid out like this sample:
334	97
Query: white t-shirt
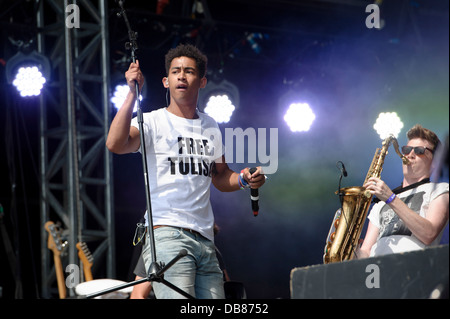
180	154
394	236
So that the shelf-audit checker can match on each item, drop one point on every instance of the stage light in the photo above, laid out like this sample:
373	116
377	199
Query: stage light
220	108
219	100
253	38
388	123
28	73
120	93
299	117
29	81
296	105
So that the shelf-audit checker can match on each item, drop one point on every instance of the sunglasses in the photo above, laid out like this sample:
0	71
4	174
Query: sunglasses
418	150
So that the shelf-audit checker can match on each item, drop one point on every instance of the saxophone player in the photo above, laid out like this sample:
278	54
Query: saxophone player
414	215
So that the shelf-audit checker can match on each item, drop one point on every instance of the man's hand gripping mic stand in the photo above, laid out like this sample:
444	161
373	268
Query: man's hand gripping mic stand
157	269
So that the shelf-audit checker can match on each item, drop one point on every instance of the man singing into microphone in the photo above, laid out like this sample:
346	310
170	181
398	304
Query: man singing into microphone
184	155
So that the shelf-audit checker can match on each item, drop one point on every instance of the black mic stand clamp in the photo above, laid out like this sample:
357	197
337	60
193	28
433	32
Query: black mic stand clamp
157	269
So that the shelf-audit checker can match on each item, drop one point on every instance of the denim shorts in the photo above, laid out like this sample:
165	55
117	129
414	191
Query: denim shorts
198	273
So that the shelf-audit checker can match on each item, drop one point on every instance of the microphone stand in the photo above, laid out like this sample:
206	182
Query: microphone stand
339	192
157	269
341	195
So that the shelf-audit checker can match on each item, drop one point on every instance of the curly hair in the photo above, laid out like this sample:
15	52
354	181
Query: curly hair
418	131
189	51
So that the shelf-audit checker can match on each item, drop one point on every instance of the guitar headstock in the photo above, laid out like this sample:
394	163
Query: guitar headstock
54	242
85	254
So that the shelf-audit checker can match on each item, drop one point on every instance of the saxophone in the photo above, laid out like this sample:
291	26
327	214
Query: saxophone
348	222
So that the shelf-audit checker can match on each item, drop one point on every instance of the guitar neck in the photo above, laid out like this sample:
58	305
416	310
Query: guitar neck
87	272
86	259
60	276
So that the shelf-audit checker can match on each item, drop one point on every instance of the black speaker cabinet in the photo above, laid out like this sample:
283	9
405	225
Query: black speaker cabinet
412	275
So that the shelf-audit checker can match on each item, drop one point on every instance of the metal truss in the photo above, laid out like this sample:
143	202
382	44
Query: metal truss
75	165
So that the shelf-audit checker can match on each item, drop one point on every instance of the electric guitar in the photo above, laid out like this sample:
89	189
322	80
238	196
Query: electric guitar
86	258
56	246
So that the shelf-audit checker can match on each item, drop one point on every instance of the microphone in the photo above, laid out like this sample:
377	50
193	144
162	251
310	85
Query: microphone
254	196
342	169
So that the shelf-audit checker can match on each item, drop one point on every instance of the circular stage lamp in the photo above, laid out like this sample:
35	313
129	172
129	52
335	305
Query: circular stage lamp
28	73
